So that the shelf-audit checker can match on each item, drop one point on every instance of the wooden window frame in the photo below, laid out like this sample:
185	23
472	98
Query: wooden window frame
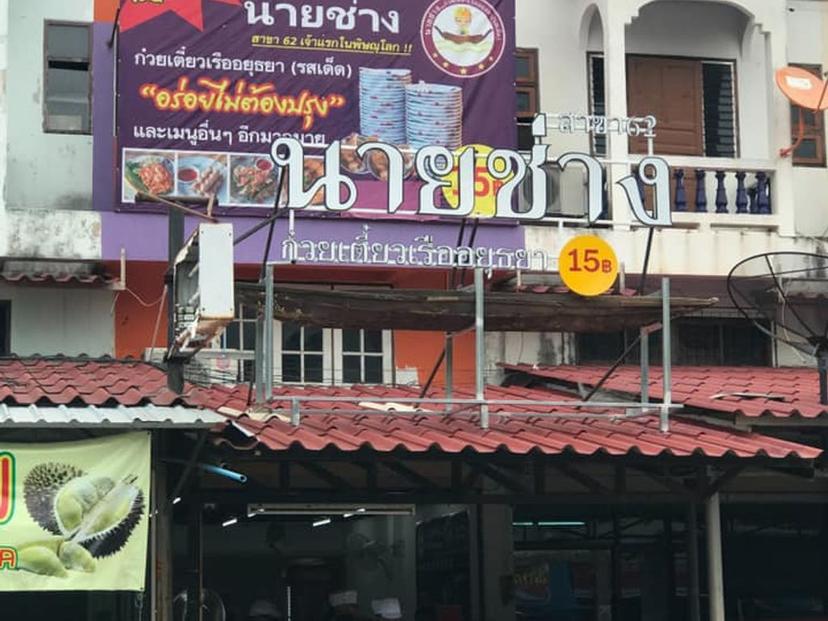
529	85
327	353
814	132
46	61
5	327
386	355
593	141
729	61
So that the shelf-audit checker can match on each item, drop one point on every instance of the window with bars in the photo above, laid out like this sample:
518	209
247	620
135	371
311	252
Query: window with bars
67	100
703	341
811	149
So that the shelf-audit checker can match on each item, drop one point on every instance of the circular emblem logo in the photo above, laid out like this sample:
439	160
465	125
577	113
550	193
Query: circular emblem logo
463	38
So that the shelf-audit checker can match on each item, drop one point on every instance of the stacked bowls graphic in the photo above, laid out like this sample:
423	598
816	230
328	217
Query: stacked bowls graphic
382	103
434	115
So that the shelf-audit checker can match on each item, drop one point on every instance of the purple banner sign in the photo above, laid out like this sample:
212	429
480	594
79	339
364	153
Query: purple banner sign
205	87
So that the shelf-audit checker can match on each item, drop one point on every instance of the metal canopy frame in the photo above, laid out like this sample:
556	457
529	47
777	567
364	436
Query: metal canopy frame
451	404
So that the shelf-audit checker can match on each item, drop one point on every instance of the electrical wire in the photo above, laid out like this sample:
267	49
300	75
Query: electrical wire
140	300
158	320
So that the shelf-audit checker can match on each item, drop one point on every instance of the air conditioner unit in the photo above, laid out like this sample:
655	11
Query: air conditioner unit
209	366
553	191
203	288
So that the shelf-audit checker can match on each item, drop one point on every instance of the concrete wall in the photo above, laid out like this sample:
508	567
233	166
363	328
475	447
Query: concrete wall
44	170
808	22
48	320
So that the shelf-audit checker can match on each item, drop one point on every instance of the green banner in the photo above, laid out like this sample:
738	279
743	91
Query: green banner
74	515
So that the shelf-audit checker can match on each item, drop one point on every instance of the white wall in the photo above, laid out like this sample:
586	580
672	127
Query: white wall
44	170
60	320
808	23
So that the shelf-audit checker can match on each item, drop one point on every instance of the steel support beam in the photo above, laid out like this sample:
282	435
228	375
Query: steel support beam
267	345
693	587
480	346
667	355
715	578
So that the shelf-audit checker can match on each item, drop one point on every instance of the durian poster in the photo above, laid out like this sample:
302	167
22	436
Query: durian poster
74	515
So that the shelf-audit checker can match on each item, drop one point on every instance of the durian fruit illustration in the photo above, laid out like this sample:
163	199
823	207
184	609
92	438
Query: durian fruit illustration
40	489
92	517
41	559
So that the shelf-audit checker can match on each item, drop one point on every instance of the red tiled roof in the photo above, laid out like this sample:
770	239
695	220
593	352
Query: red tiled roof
102	382
42	278
322	427
107	382
747	391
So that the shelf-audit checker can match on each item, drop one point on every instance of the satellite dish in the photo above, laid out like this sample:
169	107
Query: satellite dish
778	288
806	90
802	87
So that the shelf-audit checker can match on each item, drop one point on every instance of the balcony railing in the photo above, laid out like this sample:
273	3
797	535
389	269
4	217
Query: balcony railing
704	191
722	192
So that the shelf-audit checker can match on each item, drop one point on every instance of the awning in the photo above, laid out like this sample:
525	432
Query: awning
121	417
385	425
453	311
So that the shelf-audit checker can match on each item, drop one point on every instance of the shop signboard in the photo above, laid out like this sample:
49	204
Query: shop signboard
74	515
204	88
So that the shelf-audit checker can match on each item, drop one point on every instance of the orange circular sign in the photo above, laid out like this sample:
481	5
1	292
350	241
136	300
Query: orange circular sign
588	265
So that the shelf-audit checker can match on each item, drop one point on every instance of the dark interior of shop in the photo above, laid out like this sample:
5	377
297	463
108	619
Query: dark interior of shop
569	564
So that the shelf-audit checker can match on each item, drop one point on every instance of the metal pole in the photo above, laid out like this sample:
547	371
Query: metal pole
195	612
645	365
175	241
267	349
715	580
480	347
258	360
667	355
822	370
449	369
694	610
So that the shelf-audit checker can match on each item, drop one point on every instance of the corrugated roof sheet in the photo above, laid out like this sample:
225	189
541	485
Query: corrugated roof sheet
746	391
147	416
102	382
128	386
414	432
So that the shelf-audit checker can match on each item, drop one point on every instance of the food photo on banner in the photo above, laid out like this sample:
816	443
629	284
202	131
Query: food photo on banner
74	515
206	86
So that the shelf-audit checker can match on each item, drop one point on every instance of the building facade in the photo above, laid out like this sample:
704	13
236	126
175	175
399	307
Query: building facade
576	518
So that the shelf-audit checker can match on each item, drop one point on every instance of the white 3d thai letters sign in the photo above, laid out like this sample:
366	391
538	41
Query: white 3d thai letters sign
436	165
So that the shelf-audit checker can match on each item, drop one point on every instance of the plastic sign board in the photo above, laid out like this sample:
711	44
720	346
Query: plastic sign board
204	87
82	517
7	495
588	265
